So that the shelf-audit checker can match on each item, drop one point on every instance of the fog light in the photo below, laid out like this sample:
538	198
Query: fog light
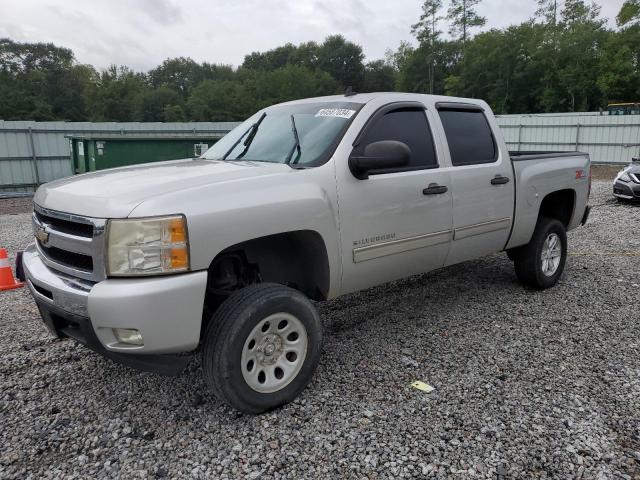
128	335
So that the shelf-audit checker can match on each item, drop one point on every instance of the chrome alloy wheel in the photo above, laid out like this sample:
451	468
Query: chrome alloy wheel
551	254
274	352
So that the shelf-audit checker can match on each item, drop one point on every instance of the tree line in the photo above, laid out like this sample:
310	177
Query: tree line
566	58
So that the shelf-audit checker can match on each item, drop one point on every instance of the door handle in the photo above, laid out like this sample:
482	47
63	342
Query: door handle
499	180
434	189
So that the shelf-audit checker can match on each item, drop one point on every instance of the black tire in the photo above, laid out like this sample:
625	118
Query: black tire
528	259
228	330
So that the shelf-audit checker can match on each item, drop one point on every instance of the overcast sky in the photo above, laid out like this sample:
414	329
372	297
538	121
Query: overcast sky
142	33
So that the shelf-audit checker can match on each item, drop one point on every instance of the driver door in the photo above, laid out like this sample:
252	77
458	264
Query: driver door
397	222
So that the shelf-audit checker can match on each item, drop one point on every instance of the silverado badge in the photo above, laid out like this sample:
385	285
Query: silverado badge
42	235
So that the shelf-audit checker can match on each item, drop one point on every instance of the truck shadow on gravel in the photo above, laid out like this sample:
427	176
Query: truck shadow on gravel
438	293
414	306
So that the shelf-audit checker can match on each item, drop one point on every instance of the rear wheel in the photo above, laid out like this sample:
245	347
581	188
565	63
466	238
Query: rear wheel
540	263
261	347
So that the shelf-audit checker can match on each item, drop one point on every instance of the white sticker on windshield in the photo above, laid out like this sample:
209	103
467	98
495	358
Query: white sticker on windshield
335	112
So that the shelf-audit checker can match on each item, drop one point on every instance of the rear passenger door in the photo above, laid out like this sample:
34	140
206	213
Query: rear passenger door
482	183
391	225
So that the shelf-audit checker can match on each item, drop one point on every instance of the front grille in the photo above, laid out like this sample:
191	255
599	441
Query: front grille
66	226
70	244
69	259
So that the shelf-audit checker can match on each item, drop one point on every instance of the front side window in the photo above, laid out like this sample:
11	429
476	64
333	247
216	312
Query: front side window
410	127
302	134
469	137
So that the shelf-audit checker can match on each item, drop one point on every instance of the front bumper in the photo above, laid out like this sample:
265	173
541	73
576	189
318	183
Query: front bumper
65	324
626	190
166	310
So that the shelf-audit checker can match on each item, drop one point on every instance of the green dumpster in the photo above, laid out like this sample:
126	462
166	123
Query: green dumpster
90	153
78	149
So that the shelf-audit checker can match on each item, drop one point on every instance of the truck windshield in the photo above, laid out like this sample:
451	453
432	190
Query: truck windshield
299	134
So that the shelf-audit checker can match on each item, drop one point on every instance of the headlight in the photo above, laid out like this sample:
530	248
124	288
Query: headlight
147	246
624	177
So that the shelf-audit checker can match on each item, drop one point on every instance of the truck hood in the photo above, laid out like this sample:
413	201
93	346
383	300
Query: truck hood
115	193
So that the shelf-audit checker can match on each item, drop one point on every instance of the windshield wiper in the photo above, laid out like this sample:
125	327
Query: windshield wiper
253	129
296	146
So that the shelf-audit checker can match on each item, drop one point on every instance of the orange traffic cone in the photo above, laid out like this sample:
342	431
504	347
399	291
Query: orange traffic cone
7	282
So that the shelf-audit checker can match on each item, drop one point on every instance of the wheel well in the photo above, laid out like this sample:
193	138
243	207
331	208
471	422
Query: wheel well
297	259
558	205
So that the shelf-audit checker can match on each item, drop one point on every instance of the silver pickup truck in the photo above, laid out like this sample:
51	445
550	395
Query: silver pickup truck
305	201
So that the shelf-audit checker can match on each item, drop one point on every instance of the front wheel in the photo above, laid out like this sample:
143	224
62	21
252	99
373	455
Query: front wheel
261	347
540	263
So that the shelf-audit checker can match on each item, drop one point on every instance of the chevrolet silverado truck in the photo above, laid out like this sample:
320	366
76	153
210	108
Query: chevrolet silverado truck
224	255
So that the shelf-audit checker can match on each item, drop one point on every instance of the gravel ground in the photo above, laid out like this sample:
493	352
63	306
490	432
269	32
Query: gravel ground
605	172
527	384
12	206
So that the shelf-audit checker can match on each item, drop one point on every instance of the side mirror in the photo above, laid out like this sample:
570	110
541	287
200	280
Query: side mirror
382	155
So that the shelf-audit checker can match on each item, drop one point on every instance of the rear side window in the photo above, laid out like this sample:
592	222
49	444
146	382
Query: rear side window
409	126
469	137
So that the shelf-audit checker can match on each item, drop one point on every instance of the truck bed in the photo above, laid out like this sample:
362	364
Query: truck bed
522	155
540	173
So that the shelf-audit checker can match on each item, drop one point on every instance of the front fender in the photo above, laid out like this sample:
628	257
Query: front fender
222	215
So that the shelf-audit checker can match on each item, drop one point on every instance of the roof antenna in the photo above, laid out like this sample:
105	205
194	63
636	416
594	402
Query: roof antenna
349	92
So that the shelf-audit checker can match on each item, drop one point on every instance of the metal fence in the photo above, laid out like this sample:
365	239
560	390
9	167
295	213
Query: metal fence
32	153
607	138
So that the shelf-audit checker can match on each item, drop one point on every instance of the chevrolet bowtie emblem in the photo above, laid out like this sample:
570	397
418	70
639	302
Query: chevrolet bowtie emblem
42	235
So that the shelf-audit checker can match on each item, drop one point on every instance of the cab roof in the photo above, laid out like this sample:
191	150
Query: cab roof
364	98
